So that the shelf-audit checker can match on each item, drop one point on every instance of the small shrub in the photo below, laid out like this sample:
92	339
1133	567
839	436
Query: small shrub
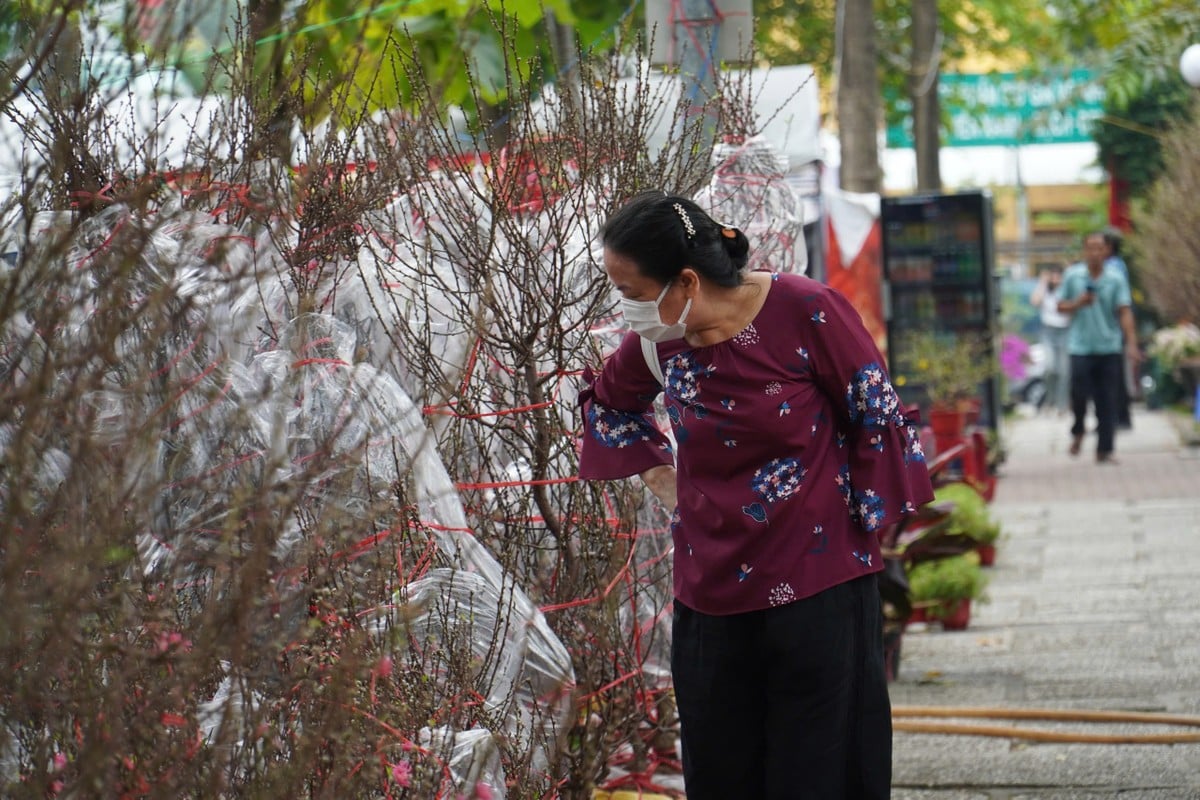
970	517
951	578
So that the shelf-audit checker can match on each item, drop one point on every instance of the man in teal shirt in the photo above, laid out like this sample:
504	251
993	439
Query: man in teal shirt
1097	298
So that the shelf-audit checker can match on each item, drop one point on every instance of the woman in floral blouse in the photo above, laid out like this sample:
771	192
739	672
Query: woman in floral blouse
792	454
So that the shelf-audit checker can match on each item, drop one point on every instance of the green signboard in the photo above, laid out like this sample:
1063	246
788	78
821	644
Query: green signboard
1007	108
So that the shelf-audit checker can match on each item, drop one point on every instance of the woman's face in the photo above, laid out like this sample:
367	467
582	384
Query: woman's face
627	279
633	285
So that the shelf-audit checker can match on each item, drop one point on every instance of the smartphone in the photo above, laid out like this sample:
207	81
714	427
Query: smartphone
1090	287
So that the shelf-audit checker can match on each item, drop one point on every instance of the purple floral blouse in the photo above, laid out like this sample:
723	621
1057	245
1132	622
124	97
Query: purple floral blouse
794	451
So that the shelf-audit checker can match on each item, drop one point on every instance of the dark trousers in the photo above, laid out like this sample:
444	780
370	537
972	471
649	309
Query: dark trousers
1096	378
789	703
1124	417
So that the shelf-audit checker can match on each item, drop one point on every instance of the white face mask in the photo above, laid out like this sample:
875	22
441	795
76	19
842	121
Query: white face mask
644	318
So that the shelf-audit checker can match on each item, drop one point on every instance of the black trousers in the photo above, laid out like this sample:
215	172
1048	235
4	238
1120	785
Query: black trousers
789	703
1096	378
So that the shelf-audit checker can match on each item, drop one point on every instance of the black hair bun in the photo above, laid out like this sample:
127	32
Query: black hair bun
736	244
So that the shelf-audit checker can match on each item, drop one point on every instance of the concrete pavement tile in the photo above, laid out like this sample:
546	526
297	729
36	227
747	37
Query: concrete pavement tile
975	764
1093	607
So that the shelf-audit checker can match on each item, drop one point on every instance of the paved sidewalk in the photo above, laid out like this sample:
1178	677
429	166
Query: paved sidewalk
1094	604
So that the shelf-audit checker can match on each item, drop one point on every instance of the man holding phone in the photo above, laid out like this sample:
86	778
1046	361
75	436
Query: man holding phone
1097	298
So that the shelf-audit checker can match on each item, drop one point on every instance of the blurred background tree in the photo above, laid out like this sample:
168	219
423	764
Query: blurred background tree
1166	241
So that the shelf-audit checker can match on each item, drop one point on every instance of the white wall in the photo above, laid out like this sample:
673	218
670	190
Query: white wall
1036	165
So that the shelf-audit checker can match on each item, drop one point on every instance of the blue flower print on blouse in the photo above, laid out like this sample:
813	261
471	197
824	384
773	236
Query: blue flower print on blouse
614	428
843	483
683	380
871	399
822	538
868	509
800	362
915	450
778	479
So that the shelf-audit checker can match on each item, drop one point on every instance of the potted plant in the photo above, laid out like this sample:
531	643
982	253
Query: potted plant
945	587
949	369
1176	351
970	518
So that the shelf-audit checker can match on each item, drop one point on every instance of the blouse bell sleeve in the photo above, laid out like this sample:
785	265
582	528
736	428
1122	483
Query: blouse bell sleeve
884	476
620	437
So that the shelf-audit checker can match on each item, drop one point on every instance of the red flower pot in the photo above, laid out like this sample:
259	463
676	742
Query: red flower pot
949	426
947	421
955	615
987	554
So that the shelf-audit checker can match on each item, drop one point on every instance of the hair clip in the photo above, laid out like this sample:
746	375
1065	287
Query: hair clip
687	221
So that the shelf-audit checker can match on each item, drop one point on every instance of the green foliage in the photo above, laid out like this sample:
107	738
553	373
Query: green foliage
8	26
470	52
1137	43
1133	43
600	24
1130	133
951	578
796	32
456	46
970	516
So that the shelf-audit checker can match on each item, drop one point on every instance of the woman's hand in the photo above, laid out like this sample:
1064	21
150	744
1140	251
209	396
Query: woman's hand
661	481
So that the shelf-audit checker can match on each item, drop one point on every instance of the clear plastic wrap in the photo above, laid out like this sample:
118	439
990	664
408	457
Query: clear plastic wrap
471	757
749	190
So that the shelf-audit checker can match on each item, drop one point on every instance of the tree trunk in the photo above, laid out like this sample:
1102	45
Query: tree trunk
267	87
695	37
566	58
923	91
76	166
858	98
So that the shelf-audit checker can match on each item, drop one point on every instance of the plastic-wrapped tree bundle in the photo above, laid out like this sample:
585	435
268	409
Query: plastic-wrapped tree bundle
272	443
472	759
126	445
44	295
131	305
542	664
453	617
423	314
343	434
749	190
542	279
227	259
365	419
